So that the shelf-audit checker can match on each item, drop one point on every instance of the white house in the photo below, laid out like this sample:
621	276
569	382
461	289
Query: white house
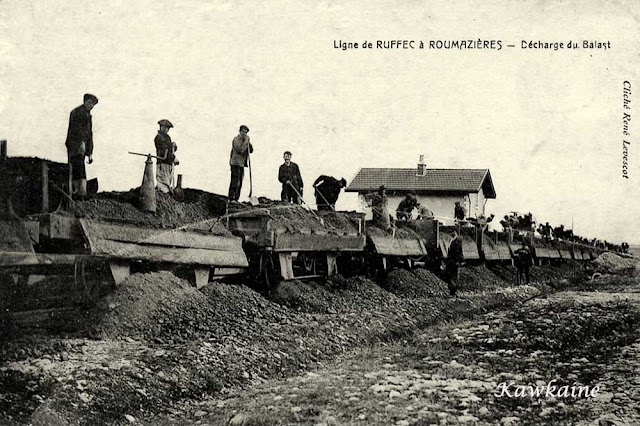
438	189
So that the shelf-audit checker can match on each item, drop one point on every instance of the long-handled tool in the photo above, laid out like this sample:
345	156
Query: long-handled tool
308	207
325	200
253	200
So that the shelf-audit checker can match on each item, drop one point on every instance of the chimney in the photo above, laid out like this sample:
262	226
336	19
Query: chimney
3	149
422	168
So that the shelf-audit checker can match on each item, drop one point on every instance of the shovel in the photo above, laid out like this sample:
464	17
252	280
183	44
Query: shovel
253	200
308	207
92	186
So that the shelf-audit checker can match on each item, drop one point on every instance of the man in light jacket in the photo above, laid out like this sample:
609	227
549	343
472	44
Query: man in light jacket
240	150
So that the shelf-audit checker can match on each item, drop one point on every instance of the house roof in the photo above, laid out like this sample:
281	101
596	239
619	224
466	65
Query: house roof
434	180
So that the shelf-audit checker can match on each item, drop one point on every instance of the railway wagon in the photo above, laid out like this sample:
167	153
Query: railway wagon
43	233
289	242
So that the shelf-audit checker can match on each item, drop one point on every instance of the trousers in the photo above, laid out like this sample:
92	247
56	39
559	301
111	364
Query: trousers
235	186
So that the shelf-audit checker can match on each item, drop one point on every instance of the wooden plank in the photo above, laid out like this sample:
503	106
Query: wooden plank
120	270
286	265
26	259
490	250
503	249
60	227
159	237
221	272
470	249
318	243
565	254
14	237
180	255
398	247
202	276
45	187
332	265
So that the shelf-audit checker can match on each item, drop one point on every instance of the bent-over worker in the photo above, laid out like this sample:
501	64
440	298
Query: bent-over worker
165	151
423	212
406	206
327	190
289	175
79	143
240	149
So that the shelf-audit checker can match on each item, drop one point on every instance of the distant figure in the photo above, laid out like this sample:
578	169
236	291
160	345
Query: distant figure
423	212
406	206
523	263
379	207
458	212
290	178
79	144
455	257
240	149
165	151
327	190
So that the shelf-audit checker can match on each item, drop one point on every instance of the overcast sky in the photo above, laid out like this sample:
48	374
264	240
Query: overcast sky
548	124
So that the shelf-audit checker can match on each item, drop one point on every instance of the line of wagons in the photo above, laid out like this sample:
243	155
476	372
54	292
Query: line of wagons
37	237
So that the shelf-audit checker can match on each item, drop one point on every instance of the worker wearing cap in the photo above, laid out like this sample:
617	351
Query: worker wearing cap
79	143
291	180
240	149
327	191
165	151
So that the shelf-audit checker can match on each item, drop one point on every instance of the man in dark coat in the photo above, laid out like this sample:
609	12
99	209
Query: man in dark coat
240	149
523	262
459	212
79	143
455	257
327	191
288	175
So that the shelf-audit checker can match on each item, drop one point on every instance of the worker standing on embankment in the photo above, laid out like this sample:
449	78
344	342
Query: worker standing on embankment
291	179
165	151
79	143
240	149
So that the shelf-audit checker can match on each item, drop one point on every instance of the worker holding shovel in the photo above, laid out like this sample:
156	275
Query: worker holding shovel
291	180
166	159
240	149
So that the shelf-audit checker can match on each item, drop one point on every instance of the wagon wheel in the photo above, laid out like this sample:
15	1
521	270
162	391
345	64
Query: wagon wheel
268	270
90	279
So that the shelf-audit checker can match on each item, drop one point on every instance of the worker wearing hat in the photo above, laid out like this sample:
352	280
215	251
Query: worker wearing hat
240	149
165	151
79	143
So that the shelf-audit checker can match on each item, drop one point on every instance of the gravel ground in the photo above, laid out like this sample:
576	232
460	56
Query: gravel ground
157	343
451	375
